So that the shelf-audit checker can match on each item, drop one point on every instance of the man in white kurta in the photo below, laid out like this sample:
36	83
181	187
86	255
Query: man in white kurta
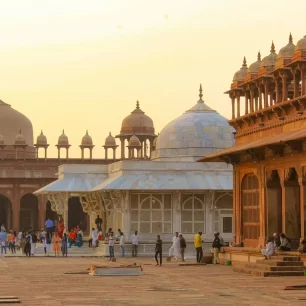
94	236
175	249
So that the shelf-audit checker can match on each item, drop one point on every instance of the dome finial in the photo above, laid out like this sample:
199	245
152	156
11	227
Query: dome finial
272	47
63	131
244	64
137	104
290	38
200	90
41	132
110	134
258	56
86	132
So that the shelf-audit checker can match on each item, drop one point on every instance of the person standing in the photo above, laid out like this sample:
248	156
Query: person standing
11	242
135	241
198	246
182	246
60	227
159	251
49	226
122	241
216	245
33	243
111	243
56	244
94	237
3	239
98	222
27	246
174	251
64	245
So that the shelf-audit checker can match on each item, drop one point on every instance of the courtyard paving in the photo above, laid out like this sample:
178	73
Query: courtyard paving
44	281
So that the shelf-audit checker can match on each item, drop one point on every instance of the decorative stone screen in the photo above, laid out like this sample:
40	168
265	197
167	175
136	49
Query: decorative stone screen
193	213
250	207
151	213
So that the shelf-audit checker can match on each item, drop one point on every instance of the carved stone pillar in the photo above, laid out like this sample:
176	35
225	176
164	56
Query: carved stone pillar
259	96
301	171
285	87
122	148
251	101
177	210
277	87
266	95
238	104
296	81
246	103
233	107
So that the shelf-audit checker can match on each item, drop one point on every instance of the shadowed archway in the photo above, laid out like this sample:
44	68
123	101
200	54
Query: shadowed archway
5	212
28	214
76	215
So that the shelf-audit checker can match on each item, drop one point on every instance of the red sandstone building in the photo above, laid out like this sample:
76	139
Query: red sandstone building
22	172
269	157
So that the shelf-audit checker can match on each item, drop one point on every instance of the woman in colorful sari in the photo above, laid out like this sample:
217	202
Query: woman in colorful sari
56	244
60	227
79	240
72	236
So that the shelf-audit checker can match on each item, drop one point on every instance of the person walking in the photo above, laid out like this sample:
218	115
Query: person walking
3	239
182	246
11	242
111	243
27	246
159	251
64	245
122	241
216	245
198	246
33	243
135	241
174	251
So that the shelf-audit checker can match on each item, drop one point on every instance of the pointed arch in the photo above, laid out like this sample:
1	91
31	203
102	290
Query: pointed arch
28	213
5	212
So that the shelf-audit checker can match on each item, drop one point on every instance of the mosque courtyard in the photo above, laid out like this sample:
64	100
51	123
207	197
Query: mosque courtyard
62	282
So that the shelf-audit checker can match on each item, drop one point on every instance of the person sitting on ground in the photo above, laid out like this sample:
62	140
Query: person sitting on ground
79	240
277	241
285	243
269	250
302	249
72	235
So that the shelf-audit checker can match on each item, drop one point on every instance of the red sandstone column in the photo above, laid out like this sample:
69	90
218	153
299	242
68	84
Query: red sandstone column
122	149
285	87
246	104
266	95
42	206
238	105
233	107
251	101
263	210
303	82
15	210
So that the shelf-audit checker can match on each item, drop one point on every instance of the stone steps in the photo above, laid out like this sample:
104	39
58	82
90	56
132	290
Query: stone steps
276	266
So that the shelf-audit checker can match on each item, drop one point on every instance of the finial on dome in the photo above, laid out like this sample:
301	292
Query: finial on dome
244	64
110	134
258	56
41	132
272	47
86	132
137	104
290	38
63	131
200	90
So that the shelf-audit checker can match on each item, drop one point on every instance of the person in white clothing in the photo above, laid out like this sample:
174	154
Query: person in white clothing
174	251
122	241
94	236
269	250
135	241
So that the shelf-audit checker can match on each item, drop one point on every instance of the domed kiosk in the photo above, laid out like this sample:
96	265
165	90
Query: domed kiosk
198	132
11	122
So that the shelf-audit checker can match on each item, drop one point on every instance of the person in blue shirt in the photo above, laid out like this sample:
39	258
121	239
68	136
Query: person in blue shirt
3	240
49	226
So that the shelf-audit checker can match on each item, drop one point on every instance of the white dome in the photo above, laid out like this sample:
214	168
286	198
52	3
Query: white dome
198	132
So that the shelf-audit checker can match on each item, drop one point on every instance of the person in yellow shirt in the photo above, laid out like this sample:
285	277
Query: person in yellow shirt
198	242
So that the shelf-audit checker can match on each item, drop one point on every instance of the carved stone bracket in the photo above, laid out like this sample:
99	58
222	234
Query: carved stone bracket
91	202
115	200
269	175
287	174
59	202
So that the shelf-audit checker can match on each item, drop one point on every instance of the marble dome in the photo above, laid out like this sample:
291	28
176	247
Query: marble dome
63	140
11	122
110	141
134	142
137	123
86	140
41	139
198	132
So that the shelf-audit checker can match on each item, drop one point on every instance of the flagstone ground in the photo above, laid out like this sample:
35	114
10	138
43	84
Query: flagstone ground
42	281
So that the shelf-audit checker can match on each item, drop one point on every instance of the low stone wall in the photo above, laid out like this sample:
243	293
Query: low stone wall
240	255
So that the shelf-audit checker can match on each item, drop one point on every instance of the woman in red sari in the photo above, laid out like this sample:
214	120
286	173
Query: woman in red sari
60	227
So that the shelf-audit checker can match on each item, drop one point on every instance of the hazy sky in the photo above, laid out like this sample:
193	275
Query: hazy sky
78	65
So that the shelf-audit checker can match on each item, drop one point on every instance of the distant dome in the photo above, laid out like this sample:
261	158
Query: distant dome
269	60
1	140
110	141
198	132
137	123
287	51
254	67
86	140
134	141
63	140
20	139
241	73
301	44
41	139
11	121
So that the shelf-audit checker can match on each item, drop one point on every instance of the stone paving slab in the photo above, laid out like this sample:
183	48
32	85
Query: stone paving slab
38	281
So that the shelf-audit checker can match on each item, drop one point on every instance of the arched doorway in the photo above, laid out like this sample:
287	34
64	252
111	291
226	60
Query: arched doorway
273	203
5	212
224	214
28	213
250	209
51	214
76	215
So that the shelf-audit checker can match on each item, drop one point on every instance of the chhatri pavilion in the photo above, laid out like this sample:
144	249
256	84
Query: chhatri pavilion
158	188
269	157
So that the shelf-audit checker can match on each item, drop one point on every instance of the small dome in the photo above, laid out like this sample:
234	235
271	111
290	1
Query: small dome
1	140
134	142
41	139
87	140
241	73
254	67
301	44
20	139
269	61
287	51
137	123
110	141
63	140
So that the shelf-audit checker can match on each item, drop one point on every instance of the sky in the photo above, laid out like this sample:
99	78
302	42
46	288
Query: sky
81	65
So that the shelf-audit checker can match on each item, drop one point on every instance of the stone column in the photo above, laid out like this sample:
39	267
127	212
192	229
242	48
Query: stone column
106	153
246	103
238	105
210	213
42	205
260	97
233	107
296	82
256	103
266	95
122	148
285	87
302	208
237	207
251	101
262	208
177	211
15	211
303	81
